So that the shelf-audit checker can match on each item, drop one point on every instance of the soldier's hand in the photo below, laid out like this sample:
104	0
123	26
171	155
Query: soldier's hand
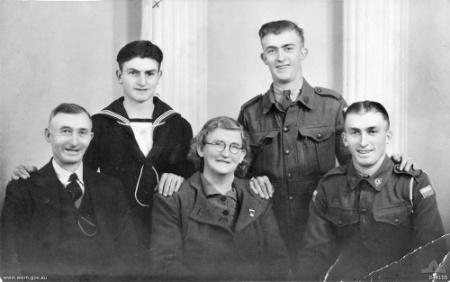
22	172
261	185
169	184
405	163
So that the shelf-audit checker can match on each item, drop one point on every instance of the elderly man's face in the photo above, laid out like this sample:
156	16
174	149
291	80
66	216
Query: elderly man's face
69	136
283	54
366	135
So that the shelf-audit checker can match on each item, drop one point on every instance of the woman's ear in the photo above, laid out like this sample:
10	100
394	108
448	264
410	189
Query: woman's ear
200	151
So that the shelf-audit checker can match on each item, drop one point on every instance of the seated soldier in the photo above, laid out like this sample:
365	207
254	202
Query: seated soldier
215	227
67	220
368	213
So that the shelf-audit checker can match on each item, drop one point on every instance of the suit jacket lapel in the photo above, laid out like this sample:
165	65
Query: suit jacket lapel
91	207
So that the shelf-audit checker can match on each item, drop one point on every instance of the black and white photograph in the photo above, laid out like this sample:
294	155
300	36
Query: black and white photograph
224	140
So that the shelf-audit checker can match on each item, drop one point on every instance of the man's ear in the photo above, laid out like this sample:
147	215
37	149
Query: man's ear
119	75
47	135
388	136
263	58
344	139
304	52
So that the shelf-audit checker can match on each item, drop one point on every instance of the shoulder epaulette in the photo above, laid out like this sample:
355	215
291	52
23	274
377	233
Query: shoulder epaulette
336	171
252	101
327	92
411	172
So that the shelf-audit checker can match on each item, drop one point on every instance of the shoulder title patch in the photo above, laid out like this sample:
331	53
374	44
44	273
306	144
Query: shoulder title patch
426	191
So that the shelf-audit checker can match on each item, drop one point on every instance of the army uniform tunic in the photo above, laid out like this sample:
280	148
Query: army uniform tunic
368	222
294	148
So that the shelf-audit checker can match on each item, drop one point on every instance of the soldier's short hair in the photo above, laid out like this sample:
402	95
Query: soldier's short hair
277	27
367	106
139	49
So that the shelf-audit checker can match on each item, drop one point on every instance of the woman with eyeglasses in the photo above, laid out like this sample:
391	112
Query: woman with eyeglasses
215	227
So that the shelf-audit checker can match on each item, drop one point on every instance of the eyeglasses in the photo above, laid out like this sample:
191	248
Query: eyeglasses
220	146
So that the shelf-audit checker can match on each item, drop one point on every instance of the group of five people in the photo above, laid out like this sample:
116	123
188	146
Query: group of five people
232	203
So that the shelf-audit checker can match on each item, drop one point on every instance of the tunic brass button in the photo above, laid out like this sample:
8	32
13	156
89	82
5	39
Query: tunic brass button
285	129
291	197
319	135
286	152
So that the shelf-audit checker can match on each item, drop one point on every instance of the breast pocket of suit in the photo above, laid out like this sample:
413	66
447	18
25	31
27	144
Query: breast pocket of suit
265	151
316	148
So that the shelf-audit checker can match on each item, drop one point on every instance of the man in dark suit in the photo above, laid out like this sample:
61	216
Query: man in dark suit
67	220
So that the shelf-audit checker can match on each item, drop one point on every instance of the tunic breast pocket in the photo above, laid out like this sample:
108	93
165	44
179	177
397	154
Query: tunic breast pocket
265	152
317	147
341	217
394	220
397	215
345	222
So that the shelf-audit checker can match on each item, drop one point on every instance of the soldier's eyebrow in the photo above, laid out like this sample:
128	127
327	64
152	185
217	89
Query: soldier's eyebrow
144	70
289	45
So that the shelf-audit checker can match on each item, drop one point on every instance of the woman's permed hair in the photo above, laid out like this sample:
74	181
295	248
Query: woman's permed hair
222	122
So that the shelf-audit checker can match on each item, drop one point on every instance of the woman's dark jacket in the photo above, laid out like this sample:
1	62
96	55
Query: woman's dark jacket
189	241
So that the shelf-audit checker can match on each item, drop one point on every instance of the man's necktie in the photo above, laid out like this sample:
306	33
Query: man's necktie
73	187
286	99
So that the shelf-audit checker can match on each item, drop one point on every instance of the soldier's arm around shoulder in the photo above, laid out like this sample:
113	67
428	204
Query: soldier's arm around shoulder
426	217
